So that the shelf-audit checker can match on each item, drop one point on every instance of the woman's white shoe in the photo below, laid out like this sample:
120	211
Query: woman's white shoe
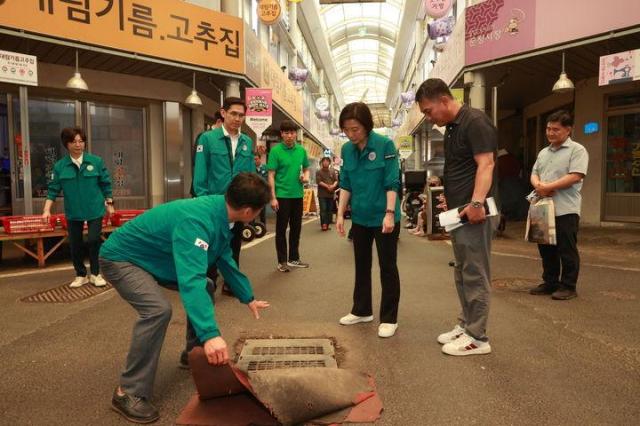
387	329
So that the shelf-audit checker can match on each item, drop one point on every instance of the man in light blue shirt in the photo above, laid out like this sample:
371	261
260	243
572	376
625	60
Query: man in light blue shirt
558	173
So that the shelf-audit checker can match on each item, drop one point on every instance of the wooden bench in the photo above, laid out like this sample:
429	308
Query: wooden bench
20	241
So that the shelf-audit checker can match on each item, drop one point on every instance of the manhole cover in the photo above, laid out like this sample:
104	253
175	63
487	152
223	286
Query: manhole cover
66	294
517	283
270	354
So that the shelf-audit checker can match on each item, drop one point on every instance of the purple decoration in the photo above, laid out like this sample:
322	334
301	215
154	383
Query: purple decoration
441	27
324	115
298	77
407	98
334	131
395	123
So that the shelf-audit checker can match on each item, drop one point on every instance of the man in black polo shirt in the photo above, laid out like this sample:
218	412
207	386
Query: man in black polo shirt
470	144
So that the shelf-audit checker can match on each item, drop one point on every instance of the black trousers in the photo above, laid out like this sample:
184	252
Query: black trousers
326	210
289	214
561	263
76	244
387	247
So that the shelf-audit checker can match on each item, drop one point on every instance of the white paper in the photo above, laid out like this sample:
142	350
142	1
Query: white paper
450	219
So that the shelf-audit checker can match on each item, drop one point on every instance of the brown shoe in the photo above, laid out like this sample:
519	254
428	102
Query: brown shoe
543	289
564	293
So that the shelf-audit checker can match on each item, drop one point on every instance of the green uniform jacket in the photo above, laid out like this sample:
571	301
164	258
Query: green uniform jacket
177	242
368	175
215	167
287	163
84	190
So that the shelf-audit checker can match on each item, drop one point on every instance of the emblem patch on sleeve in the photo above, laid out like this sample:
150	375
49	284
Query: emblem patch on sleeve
199	148
202	244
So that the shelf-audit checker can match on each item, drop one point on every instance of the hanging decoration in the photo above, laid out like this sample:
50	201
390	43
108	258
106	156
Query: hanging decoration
395	123
407	98
442	27
334	131
324	115
437	8
298	77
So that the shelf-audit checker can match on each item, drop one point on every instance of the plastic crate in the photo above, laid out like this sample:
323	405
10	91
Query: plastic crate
63	221
28	224
120	217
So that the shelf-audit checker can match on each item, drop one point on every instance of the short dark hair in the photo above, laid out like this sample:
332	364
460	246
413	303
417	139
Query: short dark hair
358	111
325	159
288	126
68	135
432	89
561	116
217	116
248	190
232	100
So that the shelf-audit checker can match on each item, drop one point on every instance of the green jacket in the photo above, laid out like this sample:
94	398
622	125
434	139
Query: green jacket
177	242
287	163
368	175
214	166
84	190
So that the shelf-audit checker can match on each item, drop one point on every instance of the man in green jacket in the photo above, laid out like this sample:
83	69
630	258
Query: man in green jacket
221	154
174	244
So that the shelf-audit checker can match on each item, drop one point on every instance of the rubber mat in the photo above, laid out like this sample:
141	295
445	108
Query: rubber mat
227	396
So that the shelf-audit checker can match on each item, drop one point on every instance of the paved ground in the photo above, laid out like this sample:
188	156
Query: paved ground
555	363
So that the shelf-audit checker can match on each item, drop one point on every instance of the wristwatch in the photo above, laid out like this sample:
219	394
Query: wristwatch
389	211
476	204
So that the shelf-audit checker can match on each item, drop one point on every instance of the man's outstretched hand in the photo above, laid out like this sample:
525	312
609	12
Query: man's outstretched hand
256	305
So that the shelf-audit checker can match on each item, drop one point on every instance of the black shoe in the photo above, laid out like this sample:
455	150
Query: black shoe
134	408
543	289
184	360
564	293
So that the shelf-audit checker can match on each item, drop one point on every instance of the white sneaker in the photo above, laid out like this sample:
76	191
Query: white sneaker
351	319
466	345
79	282
450	336
97	280
386	329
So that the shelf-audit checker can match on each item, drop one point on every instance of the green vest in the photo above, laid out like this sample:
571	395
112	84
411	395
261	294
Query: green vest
84	189
177	242
214	166
368	175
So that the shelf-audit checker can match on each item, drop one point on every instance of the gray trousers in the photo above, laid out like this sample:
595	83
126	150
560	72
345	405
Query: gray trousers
141	290
472	273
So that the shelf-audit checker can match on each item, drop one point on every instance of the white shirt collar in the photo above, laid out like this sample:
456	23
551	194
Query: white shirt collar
77	162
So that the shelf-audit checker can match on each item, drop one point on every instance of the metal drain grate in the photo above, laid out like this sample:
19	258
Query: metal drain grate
66	294
271	354
273	365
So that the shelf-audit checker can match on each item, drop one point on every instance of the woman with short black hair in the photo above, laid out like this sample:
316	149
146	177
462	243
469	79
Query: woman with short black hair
85	182
369	179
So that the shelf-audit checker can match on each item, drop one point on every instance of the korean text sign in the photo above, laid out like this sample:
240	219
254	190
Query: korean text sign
168	29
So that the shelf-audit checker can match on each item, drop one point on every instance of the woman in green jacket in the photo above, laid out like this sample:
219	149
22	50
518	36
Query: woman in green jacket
85	182
369	179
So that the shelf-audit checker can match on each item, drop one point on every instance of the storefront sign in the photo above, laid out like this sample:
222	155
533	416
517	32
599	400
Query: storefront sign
265	72
591	128
620	67
269	11
17	68
405	146
259	109
437	8
169	29
499	28
458	95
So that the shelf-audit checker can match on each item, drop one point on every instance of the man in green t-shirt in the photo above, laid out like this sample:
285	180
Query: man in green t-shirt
288	168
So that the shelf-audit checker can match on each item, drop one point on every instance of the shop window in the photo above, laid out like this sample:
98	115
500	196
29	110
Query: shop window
623	153
624	100
47	118
117	135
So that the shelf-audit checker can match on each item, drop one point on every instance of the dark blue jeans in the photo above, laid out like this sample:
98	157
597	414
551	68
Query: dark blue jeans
326	210
76	244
